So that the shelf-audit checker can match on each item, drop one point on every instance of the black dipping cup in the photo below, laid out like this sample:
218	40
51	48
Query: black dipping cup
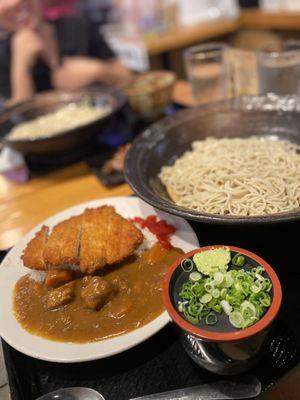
221	348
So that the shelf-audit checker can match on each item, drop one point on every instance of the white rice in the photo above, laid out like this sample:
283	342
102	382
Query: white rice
148	242
38	276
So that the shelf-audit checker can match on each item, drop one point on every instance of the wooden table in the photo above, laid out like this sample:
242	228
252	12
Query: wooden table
22	206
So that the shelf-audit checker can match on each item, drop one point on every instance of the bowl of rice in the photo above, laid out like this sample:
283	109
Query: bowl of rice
57	122
231	162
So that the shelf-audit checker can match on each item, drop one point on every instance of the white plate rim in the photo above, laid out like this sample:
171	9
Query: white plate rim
11	269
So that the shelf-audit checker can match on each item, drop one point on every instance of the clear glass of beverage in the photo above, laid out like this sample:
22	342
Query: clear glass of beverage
279	72
206	71
241	72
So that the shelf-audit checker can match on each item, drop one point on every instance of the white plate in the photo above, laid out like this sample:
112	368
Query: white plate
12	269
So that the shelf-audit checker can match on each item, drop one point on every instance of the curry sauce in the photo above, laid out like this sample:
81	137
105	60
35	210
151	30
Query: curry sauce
136	301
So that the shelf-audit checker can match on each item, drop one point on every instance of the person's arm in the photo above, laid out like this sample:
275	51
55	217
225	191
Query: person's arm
22	85
26	47
76	72
116	72
50	52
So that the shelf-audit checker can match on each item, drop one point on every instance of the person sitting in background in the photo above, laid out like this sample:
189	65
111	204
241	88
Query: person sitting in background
53	10
81	49
62	52
28	41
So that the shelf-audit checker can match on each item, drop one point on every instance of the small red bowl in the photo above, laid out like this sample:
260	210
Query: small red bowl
218	336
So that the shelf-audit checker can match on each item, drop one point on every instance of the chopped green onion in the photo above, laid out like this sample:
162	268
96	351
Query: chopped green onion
259	270
191	319
236	319
194	311
238	287
211	319
215	307
238	260
209	286
195	276
242	295
268	285
187	265
228	278
215	293
218	277
245	287
259	277
248	310
256	287
265	300
226	307
181	306
205	310
206	298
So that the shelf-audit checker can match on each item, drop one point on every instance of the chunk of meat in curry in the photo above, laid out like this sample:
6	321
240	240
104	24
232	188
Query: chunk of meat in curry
58	277
60	296
96	291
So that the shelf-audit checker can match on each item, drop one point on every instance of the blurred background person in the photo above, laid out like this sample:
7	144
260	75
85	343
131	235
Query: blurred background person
81	48
26	46
50	45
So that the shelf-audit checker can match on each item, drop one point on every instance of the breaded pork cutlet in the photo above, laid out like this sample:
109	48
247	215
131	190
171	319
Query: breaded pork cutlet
62	248
106	238
33	255
96	238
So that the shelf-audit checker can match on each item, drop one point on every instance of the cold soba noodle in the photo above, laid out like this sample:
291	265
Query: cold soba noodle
252	176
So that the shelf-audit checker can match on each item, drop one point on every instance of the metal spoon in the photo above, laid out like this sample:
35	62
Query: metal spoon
73	393
240	388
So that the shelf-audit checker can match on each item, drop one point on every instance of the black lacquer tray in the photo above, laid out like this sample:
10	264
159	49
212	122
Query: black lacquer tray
161	364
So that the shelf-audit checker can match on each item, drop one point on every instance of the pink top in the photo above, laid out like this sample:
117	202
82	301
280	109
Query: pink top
61	9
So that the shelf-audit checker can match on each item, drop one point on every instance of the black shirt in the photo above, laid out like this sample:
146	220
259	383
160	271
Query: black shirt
76	36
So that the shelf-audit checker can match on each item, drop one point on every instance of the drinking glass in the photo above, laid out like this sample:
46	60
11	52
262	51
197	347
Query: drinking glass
241	72
206	71
279	72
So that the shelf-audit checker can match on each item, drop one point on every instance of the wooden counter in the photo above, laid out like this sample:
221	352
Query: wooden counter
183	37
257	19
249	18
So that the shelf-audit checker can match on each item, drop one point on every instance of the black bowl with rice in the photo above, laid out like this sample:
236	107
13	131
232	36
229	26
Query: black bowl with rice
58	122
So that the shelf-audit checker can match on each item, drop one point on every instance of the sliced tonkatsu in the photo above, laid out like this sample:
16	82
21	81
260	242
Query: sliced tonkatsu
98	237
62	247
106	238
33	256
